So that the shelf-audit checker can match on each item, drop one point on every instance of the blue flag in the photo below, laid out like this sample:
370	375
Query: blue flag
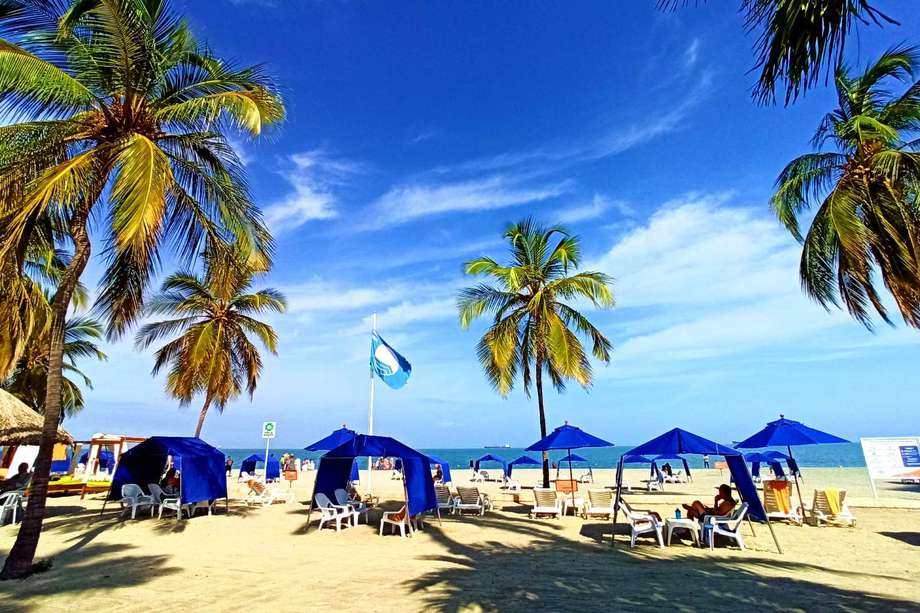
391	367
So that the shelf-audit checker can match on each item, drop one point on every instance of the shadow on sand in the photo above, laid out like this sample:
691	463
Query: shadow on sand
554	572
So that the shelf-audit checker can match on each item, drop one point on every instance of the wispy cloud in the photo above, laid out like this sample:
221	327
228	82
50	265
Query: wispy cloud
313	176
598	205
692	53
412	201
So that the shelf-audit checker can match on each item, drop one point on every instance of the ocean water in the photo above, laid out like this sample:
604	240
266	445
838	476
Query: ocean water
845	455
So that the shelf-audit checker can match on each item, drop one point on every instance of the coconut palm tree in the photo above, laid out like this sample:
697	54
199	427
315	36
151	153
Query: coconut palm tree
535	329
28	381
214	318
115	97
798	40
864	193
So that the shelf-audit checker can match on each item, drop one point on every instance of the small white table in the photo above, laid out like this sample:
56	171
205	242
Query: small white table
673	524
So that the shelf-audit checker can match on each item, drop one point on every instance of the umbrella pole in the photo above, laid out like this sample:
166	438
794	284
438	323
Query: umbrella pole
571	479
773	534
797	488
616	504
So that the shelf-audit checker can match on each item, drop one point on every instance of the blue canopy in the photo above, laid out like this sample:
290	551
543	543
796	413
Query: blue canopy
635	459
203	476
445	468
681	441
785	433
338	437
248	465
568	437
757	458
506	469
335	467
273	468
106	458
573	457
525	459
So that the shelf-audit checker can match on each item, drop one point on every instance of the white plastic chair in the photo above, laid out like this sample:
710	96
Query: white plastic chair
728	526
546	502
641	522
357	507
166	502
10	505
134	498
397	519
330	512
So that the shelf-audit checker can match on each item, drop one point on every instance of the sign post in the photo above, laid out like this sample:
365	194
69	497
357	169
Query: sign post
268	433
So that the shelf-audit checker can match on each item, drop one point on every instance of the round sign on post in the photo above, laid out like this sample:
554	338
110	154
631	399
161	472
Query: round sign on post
268	429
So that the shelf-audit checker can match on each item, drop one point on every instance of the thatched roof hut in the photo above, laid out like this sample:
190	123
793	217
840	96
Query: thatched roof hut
20	425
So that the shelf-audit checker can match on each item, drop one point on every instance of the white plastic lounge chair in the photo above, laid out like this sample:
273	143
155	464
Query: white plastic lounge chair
600	502
134	498
469	499
477	477
654	485
547	502
773	501
358	508
397	519
266	496
335	513
641	522
485	475
511	485
822	511
445	500
10	506
728	526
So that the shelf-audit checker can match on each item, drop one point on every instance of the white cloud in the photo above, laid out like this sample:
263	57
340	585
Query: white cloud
317	296
409	202
312	175
598	206
692	53
407	312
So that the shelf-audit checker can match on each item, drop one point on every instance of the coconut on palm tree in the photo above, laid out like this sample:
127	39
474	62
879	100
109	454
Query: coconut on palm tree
115	97
864	193
536	326
213	319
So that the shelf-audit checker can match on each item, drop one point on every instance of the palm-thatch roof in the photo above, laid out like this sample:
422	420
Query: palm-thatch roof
20	425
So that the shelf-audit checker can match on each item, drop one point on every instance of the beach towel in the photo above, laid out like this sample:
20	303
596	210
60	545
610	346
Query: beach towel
781	491
833	500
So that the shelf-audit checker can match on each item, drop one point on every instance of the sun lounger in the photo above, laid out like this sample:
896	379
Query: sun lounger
477	477
470	499
134	498
445	500
10	506
332	513
600	502
728	526
777	501
511	485
265	496
547	502
830	507
641	522
397	519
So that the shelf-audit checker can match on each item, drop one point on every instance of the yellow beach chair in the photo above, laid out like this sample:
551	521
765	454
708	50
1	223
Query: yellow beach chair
830	507
777	501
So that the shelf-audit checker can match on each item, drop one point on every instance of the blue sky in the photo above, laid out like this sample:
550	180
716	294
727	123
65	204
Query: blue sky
417	130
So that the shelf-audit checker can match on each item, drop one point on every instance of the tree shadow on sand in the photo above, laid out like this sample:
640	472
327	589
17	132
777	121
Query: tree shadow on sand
554	572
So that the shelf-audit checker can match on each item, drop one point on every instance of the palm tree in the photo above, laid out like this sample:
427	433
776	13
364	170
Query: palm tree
799	39
28	381
535	329
865	193
213	317
115	97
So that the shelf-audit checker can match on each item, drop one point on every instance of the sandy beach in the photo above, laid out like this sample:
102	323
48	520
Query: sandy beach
262	559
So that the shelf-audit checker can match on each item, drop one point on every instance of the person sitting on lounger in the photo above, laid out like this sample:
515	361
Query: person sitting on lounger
438	474
667	469
19	481
722	505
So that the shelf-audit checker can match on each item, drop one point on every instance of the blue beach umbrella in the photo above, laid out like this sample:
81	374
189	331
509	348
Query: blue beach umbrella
787	433
568	437
338	437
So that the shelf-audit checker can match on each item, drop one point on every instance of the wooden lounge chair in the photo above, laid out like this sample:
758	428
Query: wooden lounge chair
600	502
445	500
641	522
397	519
547	502
728	526
825	509
469	499
777	501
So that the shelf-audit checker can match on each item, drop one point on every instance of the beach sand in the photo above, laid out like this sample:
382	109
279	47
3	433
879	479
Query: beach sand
257	559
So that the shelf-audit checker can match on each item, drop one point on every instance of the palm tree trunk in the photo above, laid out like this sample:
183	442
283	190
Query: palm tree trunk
19	561
203	414
539	365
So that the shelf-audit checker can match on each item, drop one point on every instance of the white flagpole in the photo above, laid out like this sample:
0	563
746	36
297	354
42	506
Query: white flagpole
370	412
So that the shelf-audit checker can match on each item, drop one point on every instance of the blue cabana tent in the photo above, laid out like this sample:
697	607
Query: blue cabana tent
335	467
338	437
678	441
202	478
445	468
524	460
106	459
273	469
493	458
248	465
755	459
673	456
654	471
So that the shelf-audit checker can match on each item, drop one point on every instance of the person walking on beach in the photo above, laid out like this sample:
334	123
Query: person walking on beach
229	464
706	461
